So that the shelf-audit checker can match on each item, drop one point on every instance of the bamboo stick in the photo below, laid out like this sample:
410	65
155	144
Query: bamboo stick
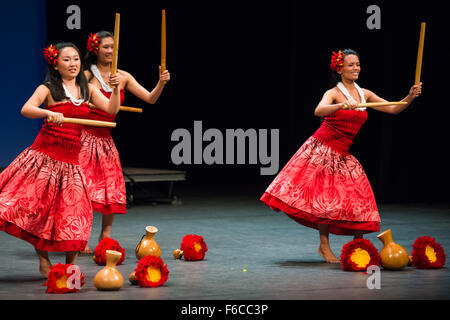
420	53
380	104
115	54
130	109
87	122
163	43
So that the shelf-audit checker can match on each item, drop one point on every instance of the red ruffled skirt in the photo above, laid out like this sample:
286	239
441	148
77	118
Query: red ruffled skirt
45	202
100	161
322	186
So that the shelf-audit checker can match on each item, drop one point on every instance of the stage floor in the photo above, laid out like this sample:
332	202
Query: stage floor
254	254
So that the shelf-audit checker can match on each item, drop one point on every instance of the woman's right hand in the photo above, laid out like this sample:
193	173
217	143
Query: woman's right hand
55	117
349	105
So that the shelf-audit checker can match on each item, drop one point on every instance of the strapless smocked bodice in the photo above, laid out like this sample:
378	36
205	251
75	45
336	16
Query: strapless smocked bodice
339	129
62	142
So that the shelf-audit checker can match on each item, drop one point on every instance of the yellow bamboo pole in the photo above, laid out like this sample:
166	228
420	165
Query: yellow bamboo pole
379	104
87	122
115	54
163	42
130	109
420	53
123	108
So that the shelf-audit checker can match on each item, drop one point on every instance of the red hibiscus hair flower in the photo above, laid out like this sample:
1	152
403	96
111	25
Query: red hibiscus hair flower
93	43
427	253
337	61
57	281
51	55
151	272
107	244
358	255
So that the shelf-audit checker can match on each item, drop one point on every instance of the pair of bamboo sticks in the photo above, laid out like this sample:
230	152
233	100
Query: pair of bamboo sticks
114	70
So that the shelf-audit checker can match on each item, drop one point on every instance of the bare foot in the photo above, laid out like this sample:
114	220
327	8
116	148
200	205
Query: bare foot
328	255
87	250
44	270
104	235
44	267
44	262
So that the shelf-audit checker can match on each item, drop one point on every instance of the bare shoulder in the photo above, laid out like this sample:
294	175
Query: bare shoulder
124	73
367	93
92	87
87	73
42	91
41	95
332	93
42	88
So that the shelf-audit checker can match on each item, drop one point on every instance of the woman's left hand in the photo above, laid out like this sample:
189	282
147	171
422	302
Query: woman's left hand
416	90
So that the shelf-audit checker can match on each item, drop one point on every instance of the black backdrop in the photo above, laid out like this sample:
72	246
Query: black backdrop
265	66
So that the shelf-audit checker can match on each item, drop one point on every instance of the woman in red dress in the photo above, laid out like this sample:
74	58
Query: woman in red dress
99	157
44	199
323	186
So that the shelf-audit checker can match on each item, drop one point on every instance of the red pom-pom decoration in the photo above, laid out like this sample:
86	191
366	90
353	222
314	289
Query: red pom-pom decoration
358	255
93	43
193	247
51	55
151	272
107	244
427	253
57	281
337	61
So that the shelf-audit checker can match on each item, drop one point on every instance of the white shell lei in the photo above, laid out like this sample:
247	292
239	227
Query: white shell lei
76	102
349	97
98	76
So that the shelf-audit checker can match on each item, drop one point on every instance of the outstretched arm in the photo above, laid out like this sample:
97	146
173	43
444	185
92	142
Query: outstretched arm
139	91
414	92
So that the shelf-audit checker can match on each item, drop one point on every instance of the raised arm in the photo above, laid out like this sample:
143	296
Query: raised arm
112	105
414	92
31	108
132	86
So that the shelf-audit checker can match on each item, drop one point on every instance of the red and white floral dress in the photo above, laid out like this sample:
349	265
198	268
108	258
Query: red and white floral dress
44	199
100	161
323	183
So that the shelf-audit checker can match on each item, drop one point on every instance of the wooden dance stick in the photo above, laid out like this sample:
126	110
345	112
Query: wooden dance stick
123	108
420	53
130	109
379	104
115	54
163	43
87	122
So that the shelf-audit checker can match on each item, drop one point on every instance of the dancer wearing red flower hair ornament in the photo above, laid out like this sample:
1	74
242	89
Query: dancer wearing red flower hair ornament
99	156
44	198
323	186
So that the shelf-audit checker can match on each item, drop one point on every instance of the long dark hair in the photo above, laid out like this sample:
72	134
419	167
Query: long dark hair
336	77
54	82
91	58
